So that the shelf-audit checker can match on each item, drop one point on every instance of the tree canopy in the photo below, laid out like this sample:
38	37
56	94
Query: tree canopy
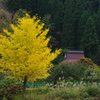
25	53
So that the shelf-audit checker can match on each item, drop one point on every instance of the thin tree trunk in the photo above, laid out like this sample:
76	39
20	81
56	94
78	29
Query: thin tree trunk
55	81
24	88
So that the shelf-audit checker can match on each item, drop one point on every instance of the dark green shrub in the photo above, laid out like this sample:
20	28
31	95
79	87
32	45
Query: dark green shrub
93	91
66	70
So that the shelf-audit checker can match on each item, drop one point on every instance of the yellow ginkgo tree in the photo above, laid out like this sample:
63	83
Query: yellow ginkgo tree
25	54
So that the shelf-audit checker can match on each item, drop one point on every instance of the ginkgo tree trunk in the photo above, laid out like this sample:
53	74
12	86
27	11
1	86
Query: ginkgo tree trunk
25	54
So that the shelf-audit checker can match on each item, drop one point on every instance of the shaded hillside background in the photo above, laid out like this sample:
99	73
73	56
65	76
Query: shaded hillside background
74	24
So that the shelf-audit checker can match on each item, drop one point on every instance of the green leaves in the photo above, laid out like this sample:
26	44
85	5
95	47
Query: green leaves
76	71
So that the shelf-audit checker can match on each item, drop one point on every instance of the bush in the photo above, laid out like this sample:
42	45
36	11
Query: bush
93	91
10	89
92	70
66	70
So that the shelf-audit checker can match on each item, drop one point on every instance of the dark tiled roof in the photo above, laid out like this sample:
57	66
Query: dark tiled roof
75	51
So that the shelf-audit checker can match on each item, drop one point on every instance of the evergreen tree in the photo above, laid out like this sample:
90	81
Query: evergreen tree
83	2
73	5
98	23
62	1
34	7
42	7
54	8
14	5
95	5
27	4
48	7
90	39
68	32
95	19
88	6
53	41
57	12
81	27
76	17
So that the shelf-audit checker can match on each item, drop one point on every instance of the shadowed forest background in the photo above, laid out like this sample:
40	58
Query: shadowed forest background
74	24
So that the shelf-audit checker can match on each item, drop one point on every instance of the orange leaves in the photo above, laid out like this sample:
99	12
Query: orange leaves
87	61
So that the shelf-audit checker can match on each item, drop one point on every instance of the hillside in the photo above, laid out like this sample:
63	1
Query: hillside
68	21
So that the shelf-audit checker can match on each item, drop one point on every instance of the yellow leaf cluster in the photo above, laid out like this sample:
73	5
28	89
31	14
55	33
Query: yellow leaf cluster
25	52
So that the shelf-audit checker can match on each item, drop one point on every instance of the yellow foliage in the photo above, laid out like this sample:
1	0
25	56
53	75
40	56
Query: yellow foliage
25	53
